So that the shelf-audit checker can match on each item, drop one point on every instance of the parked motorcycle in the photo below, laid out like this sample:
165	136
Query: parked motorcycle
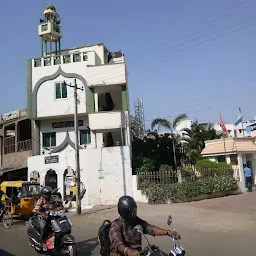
152	250
59	240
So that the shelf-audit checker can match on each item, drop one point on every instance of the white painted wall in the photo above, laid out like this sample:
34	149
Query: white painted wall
48	105
115	161
107	120
46	127
137	195
107	74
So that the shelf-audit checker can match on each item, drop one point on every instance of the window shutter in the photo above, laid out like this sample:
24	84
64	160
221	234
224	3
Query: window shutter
64	90
58	91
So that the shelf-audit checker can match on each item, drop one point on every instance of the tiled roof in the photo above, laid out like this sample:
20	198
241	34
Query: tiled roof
231	145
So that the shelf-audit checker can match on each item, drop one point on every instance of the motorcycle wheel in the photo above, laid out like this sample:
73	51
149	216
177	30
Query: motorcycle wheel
69	250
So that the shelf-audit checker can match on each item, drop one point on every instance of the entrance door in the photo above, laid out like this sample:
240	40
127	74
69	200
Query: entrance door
51	179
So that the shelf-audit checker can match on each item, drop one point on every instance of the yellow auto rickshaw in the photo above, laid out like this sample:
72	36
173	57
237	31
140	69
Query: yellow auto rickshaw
24	196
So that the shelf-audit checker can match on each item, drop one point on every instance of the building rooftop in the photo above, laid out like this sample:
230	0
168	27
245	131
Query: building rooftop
232	145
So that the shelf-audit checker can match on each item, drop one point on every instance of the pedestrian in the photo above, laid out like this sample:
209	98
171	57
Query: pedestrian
248	177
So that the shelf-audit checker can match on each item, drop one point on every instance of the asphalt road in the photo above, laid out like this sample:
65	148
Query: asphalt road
224	226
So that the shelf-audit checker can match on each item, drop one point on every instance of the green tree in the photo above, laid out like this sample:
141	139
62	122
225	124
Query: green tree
194	140
160	122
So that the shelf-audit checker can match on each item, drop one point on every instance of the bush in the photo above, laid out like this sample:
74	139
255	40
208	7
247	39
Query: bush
180	192
147	165
188	173
206	163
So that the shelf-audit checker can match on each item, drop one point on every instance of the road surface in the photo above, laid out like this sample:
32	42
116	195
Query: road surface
223	226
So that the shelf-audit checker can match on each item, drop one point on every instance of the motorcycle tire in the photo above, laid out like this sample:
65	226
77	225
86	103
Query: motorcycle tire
71	249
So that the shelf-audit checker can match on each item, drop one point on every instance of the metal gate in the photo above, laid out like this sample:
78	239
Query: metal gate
51	179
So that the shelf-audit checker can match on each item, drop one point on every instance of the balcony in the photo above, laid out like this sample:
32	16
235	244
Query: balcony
106	120
89	58
15	155
106	74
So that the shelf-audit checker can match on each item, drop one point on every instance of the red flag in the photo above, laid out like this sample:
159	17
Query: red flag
222	125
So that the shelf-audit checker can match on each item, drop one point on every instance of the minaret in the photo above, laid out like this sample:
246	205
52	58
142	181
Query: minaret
50	31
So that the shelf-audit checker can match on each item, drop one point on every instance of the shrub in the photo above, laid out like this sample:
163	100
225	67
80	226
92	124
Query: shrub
180	192
206	163
147	165
188	173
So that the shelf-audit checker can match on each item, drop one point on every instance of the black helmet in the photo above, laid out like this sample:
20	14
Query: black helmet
46	192
127	208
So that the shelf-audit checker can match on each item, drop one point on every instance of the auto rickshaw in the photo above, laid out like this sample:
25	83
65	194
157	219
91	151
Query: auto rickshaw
24	196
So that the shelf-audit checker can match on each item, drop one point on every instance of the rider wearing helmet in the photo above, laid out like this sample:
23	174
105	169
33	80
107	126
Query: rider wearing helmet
45	204
123	237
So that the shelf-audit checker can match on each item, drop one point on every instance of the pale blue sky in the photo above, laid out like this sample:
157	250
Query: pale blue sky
188	56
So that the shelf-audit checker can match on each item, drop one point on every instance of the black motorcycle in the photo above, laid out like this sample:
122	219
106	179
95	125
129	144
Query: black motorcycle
152	250
59	240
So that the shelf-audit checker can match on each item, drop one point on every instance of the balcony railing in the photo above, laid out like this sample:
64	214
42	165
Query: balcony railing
10	146
25	145
61	59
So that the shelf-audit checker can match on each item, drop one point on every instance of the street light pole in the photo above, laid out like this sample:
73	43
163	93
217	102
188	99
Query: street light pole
77	157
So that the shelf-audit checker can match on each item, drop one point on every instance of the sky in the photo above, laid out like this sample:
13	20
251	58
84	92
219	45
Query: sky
195	57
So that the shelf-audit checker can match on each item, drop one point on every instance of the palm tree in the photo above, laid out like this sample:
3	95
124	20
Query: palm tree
160	122
194	139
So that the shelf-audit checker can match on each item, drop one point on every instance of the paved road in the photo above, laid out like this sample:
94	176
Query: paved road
223	226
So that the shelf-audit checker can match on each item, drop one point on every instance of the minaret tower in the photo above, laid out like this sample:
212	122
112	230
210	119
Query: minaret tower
50	32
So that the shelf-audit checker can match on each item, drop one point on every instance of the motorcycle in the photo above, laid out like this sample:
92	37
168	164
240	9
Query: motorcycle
152	250
59	240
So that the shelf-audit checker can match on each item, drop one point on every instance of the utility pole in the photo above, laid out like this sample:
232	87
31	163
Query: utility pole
77	157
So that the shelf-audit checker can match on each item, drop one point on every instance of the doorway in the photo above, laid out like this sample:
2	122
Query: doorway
51	179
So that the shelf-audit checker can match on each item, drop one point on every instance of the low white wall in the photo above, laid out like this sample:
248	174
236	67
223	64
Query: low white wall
137	195
114	161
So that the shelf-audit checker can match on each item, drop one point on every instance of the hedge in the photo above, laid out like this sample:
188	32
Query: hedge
206	163
182	192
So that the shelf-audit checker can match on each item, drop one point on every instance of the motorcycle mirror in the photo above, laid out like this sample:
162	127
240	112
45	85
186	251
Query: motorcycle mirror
169	220
139	229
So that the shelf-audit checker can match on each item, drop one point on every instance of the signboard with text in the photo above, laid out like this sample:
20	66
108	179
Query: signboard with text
51	159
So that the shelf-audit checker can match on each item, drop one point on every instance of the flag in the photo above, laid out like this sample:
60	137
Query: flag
222	125
239	118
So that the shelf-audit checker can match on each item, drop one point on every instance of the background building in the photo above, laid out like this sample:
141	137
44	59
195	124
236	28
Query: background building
15	145
103	114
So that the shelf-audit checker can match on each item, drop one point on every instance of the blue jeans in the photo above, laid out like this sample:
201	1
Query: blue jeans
248	182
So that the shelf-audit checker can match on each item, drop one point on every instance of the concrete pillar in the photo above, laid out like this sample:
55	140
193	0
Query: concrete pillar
241	183
3	141
96	102
16	136
228	160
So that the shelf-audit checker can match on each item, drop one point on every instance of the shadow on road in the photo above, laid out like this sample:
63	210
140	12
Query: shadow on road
5	253
86	247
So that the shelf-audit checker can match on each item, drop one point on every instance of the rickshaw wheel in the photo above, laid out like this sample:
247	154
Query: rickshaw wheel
7	219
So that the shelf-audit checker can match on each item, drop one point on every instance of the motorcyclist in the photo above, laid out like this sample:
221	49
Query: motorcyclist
123	237
45	204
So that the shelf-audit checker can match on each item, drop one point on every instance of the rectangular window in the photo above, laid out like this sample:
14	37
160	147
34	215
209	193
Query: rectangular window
61	91
49	139
76	57
85	137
